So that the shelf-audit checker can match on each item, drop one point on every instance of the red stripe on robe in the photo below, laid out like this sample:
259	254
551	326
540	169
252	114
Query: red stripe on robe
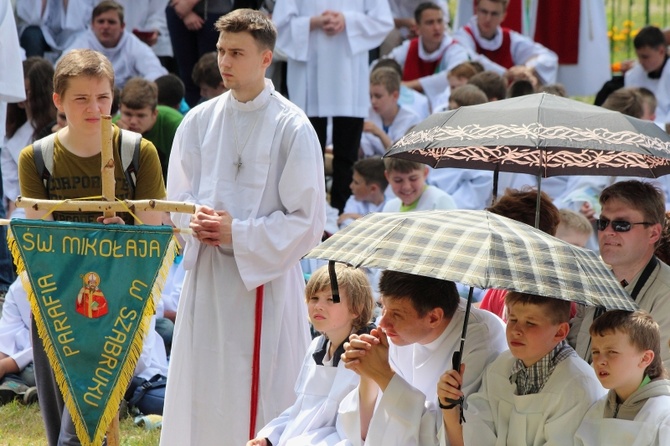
557	28
415	67
503	55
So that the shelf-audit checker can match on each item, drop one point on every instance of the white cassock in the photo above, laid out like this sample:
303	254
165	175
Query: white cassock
319	390
148	15
371	145
277	201
328	75
130	57
12	87
497	416
637	77
407	412
470	189
431	199
523	51
9	164
60	27
651	426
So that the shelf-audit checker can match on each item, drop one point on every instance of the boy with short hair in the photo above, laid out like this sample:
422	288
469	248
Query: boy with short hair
408	182
207	77
574	228
387	121
466	95
368	189
626	351
83	86
324	381
535	394
141	113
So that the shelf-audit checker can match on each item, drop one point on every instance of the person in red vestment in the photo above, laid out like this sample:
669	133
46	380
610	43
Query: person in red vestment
91	301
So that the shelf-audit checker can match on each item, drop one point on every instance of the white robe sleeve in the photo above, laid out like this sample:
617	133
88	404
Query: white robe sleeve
146	63
465	39
367	30
267	246
14	326
436	84
292	30
533	55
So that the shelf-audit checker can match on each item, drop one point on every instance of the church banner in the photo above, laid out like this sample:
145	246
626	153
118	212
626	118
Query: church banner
92	290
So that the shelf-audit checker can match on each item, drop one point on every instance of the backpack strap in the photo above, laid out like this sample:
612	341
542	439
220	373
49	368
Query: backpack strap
130	157
156	381
43	154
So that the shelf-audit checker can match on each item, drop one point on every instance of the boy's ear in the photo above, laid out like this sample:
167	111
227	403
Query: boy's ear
647	358
395	95
562	331
57	101
426	170
267	58
435	316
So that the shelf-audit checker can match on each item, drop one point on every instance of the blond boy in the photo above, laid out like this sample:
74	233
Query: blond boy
408	182
626	348
534	394
323	380
387	121
574	228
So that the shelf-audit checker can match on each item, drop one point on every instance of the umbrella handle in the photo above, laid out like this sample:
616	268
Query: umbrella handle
456	363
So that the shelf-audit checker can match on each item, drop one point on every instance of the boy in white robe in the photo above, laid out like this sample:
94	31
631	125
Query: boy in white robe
251	161
130	56
387	121
401	361
323	380
626	349
368	189
408	181
535	394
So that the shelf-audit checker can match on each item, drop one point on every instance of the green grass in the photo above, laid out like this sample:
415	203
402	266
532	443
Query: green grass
22	426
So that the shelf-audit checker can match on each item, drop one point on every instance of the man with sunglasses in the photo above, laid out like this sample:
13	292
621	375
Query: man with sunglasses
629	230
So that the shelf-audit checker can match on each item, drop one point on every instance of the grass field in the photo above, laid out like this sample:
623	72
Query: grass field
22	426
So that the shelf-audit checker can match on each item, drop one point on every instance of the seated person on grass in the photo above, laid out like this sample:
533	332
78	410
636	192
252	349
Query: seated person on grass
388	121
536	393
368	189
408	181
626	351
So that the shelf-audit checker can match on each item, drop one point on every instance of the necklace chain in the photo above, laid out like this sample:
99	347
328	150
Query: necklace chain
238	163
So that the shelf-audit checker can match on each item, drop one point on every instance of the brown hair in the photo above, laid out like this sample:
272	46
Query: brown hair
253	22
425	293
639	195
387	77
139	93
206	71
625	100
557	310
353	284
503	2
468	94
520	205
372	171
392	164
108	5
464	69
491	83
641	329
82	63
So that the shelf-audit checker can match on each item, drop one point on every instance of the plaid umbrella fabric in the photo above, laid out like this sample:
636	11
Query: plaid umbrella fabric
479	249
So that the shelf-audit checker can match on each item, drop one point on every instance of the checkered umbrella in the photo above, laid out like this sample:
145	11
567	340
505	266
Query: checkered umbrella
479	249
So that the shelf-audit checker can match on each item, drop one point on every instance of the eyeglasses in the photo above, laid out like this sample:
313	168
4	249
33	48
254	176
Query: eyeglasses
618	225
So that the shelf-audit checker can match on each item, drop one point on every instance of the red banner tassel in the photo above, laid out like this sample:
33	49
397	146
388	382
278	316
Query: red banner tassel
256	364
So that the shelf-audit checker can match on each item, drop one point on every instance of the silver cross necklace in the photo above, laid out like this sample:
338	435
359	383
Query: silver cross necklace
238	164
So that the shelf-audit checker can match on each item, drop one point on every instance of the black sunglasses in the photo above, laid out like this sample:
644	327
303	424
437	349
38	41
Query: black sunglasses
618	225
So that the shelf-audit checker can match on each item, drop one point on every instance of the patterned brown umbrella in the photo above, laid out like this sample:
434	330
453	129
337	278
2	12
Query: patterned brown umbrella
540	134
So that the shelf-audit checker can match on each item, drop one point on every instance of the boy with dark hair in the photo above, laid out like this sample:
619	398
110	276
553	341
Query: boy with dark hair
387	121
491	83
207	77
626	350
537	393
141	113
400	361
408	182
652	70
171	92
368	189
